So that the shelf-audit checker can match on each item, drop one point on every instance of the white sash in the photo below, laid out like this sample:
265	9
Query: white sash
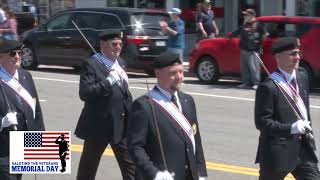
175	113
112	65
277	78
18	88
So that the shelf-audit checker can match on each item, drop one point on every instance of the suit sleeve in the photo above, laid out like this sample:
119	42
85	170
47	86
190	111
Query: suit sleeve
305	81
89	86
264	112
3	105
38	111
201	163
138	125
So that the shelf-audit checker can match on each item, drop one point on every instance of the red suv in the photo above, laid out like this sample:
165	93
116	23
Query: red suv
213	58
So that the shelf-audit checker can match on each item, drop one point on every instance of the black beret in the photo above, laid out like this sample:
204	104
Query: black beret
284	44
111	34
9	45
166	59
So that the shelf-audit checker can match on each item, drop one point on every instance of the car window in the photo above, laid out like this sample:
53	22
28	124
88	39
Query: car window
109	21
97	21
304	28
148	20
279	29
60	22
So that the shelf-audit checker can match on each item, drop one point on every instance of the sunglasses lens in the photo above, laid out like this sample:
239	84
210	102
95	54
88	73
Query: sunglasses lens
13	53
116	44
294	53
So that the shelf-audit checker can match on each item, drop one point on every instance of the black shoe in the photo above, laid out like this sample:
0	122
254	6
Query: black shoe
63	170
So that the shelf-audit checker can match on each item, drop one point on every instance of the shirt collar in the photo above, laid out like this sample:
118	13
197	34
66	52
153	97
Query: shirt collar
16	75
166	93
288	76
112	62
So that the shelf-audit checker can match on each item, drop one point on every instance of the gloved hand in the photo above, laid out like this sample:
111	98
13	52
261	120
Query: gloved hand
202	178
300	127
112	77
163	175
8	120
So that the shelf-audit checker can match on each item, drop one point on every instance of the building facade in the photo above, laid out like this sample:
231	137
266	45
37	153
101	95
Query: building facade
227	12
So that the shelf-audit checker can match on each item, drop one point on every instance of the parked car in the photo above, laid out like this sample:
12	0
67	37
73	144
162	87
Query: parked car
57	42
213	58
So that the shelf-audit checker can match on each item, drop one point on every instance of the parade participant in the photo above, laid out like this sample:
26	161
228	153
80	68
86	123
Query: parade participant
104	90
175	29
286	143
19	103
205	21
173	114
251	36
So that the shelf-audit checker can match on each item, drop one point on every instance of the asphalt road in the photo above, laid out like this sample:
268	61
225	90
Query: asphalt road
225	115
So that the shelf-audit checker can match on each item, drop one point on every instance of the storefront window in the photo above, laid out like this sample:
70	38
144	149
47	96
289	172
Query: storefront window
120	3
308	8
151	4
189	13
59	5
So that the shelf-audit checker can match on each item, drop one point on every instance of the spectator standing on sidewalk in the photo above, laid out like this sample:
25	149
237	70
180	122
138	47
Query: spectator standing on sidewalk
197	13
251	36
9	28
206	23
175	29
3	17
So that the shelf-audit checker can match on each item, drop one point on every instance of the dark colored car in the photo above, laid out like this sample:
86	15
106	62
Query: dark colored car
213	58
57	42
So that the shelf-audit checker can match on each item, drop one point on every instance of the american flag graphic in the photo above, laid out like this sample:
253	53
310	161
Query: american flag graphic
42	146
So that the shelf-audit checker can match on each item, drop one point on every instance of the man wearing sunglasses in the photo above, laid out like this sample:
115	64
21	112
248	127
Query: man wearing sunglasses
104	90
286	142
19	103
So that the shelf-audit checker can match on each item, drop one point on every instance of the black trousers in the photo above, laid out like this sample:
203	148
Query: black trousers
307	169
63	159
91	155
304	171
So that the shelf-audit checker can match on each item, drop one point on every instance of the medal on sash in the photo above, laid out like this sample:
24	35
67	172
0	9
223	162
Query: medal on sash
294	88
291	90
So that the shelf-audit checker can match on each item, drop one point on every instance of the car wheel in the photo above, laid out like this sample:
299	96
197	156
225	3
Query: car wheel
28	60
207	70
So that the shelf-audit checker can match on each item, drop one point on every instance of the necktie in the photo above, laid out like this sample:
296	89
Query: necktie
174	100
294	83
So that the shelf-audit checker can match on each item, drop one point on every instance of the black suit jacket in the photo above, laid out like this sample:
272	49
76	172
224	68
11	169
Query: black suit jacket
24	111
104	114
144	147
278	149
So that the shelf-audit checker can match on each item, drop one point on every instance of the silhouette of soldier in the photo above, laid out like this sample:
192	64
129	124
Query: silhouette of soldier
63	148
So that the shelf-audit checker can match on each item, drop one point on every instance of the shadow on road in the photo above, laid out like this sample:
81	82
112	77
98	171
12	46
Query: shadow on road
57	70
225	83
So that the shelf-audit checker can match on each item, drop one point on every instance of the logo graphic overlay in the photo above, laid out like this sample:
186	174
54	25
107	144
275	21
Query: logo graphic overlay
40	152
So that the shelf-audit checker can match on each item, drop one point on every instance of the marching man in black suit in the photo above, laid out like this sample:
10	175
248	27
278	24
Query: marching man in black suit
176	120
19	102
286	143
104	90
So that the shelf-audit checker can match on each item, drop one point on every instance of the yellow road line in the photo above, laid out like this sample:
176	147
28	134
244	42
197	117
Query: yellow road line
210	165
